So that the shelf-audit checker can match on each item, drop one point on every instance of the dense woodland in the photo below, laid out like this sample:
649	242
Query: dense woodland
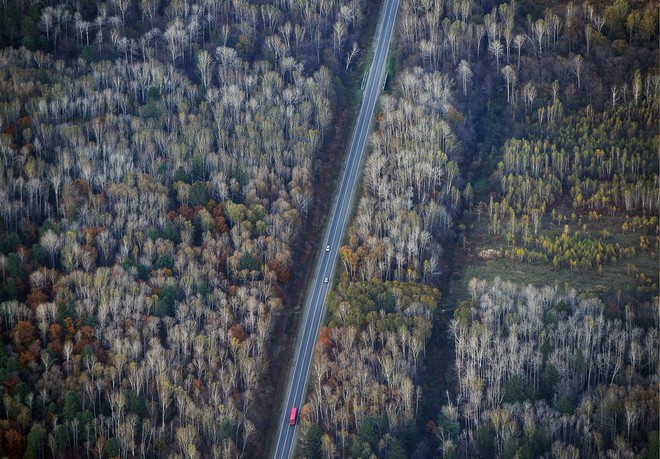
157	172
363	393
524	132
158	175
364	365
544	371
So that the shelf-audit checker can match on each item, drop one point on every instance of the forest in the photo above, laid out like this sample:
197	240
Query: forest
514	169
162	168
157	176
578	383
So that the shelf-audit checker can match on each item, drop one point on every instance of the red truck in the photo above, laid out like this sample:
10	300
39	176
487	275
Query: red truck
292	418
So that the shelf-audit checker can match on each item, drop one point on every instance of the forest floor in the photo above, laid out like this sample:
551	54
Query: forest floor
616	285
435	372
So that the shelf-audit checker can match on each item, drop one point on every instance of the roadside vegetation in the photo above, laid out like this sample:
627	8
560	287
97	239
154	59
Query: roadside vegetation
543	192
363	398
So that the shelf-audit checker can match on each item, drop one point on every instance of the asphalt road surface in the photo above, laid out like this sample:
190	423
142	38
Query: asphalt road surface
322	280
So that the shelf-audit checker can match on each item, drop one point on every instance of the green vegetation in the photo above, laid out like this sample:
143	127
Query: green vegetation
375	338
549	355
571	201
544	171
157	168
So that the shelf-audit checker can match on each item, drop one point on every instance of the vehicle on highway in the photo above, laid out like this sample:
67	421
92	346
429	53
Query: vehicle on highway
338	220
294	414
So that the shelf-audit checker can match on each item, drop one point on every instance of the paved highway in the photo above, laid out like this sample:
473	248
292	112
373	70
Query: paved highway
313	311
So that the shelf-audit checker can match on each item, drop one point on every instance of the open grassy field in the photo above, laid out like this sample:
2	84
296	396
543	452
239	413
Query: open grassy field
632	279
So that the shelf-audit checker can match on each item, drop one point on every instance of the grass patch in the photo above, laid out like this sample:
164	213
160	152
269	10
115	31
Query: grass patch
634	277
